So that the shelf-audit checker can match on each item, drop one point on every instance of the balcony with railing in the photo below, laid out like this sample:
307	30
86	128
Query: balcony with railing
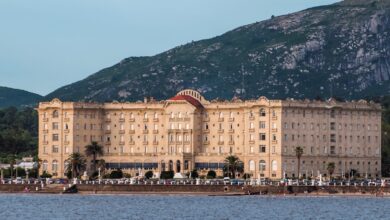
251	141
132	132
231	130
107	131
220	130
121	131
231	119
221	119
251	130
145	131
45	119
132	119
45	131
231	142
121	120
155	131
131	142
252	118
155	119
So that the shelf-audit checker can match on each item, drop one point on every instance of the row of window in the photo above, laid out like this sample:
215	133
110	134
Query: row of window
332	138
332	126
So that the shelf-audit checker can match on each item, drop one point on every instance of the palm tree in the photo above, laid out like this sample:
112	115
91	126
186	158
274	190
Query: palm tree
331	167
94	150
298	153
12	162
232	165
77	164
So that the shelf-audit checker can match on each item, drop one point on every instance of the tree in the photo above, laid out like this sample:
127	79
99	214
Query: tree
94	150
298	154
331	167
12	162
149	174
211	174
77	164
233	165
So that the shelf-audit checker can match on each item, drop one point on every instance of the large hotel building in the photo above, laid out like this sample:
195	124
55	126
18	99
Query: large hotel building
189	132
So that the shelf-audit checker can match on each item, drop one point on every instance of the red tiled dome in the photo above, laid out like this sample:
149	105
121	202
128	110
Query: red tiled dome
189	99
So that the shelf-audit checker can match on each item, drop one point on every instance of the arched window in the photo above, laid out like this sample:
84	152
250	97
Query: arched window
55	166
170	168
172	115
44	165
122	116
146	115
155	115
179	115
274	165
251	165
221	115
262	165
55	114
131	115
162	165
178	166
262	112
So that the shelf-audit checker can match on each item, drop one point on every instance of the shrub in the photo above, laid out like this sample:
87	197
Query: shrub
46	175
211	174
194	174
126	175
166	175
149	174
116	174
246	176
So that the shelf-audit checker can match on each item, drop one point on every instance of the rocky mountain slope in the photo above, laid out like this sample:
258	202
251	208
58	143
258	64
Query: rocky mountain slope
335	50
17	98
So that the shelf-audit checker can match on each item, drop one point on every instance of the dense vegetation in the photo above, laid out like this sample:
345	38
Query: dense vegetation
18	133
16	97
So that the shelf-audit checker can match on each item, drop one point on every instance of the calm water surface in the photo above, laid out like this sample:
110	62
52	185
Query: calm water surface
19	206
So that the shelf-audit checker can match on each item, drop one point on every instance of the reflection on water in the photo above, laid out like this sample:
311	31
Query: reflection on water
23	206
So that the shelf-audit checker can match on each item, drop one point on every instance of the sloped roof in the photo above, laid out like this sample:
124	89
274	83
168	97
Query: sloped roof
187	98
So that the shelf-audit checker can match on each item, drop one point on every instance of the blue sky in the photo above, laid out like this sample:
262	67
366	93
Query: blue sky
46	44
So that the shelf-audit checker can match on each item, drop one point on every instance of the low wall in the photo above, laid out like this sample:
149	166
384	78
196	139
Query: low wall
159	188
211	189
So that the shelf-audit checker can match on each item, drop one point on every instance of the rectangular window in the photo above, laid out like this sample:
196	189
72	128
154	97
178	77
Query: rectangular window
55	125
55	149
332	126
262	148
262	124
332	138
55	137
262	137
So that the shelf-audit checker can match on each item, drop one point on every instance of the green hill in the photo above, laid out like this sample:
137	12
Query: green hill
17	98
340	50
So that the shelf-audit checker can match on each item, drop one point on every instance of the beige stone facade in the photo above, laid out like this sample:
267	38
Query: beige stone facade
189	132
